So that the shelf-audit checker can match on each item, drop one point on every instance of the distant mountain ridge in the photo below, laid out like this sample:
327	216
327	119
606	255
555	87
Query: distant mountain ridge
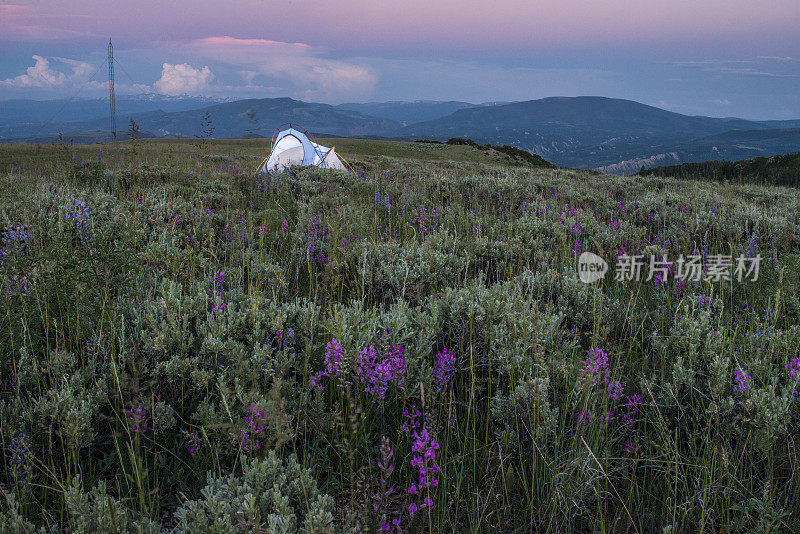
232	120
22	111
407	113
586	132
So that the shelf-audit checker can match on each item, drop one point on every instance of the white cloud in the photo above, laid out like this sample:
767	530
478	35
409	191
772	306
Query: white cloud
42	75
248	76
183	79
740	67
311	76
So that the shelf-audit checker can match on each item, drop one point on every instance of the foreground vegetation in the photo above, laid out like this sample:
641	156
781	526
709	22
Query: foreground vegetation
186	346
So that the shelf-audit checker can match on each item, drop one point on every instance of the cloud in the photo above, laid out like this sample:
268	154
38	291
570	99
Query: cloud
25	23
183	79
248	76
785	59
42	75
310	75
720	101
739	67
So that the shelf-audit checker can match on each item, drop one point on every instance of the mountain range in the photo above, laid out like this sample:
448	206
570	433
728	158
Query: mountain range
588	132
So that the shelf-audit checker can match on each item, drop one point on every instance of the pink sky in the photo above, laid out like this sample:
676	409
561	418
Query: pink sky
719	57
409	24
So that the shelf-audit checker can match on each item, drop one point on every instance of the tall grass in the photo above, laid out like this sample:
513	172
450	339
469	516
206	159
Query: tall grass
184	345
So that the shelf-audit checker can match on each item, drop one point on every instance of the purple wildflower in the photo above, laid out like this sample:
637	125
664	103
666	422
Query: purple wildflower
582	417
615	389
411	420
20	456
192	442
334	356
424	447
444	367
769	316
138	420
743	381
596	367
81	219
377	372
216	288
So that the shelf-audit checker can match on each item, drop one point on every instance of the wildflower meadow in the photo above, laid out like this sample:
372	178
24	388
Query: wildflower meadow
186	346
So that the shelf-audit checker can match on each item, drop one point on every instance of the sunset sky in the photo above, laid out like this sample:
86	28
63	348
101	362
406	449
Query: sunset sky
711	57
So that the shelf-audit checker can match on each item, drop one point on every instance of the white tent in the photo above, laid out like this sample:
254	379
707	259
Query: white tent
293	146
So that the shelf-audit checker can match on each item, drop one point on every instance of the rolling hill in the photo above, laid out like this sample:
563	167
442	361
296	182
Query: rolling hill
591	132
774	170
232	120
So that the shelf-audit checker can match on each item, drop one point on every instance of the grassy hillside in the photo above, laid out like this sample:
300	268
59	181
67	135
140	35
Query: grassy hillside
775	170
188	347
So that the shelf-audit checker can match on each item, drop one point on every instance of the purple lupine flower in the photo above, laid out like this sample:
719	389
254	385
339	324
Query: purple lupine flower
410	422
247	443
743	381
769	316
386	467
334	357
15	236
284	230
192	441
793	371
424	446
615	389
174	222
138	420
21	454
216	288
81	219
582	417
249	438
596	367
377	372
443	368
632	403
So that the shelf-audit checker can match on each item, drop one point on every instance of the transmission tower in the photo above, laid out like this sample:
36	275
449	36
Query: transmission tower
111	89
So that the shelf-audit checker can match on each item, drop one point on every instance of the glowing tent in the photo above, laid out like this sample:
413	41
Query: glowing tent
293	146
